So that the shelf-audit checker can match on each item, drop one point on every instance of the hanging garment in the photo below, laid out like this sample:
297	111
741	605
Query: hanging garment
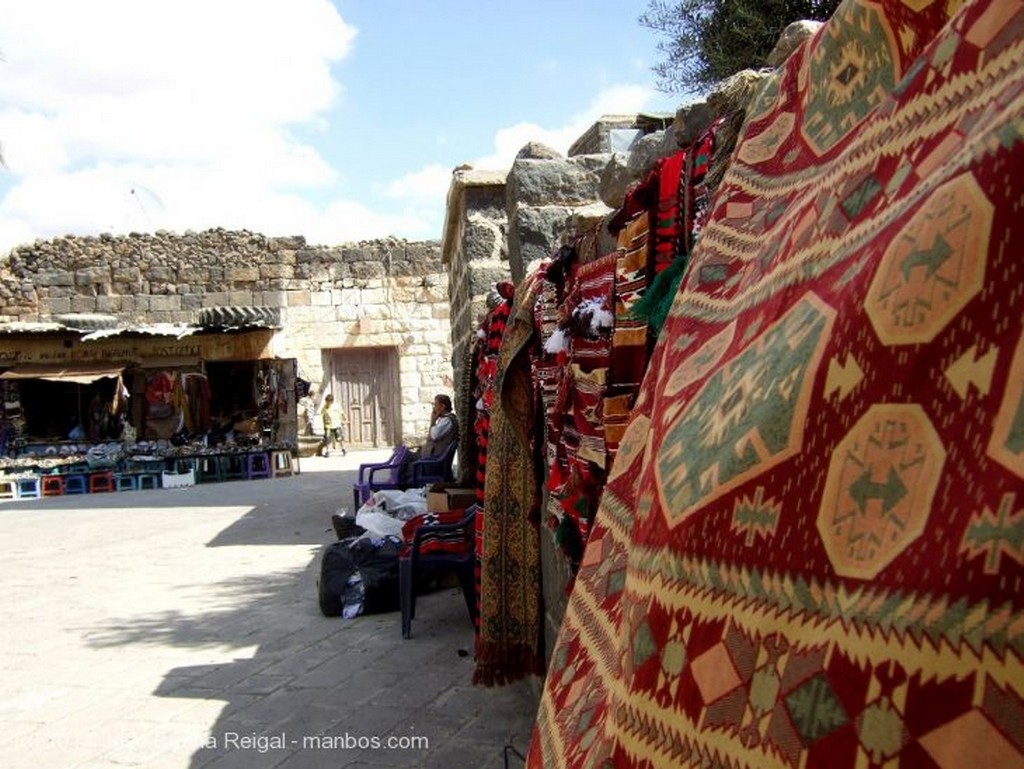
808	551
508	645
576	475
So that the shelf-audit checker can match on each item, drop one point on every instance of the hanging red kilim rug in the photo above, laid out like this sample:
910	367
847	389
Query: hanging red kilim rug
810	550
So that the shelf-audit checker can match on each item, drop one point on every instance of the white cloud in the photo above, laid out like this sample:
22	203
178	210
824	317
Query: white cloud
616	100
117	115
426	184
195	101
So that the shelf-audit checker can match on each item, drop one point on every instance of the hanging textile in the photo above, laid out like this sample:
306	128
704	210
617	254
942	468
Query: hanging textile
630	339
576	474
488	344
808	552
508	645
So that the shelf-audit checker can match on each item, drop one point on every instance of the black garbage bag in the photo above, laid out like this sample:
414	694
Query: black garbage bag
359	575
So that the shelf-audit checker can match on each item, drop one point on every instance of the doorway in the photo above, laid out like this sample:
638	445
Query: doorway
365	383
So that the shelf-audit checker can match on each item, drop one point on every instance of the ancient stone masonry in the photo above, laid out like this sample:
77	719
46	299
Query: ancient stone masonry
374	294
476	255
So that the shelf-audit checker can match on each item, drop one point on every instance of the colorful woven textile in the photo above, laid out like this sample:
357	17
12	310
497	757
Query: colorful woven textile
508	645
810	550
437	542
578	416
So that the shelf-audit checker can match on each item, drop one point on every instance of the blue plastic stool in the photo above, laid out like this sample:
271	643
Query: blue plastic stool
28	487
76	484
149	481
257	466
125	482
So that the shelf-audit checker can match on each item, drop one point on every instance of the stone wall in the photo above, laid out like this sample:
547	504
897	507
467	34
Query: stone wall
475	252
383	293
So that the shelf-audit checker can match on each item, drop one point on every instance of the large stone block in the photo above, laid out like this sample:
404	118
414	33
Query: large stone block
484	238
191	301
271	299
160	274
321	299
91	276
243	274
365	270
292	242
482	280
83	304
551	182
108	304
168	303
312	272
56	279
281	271
615	180
535	233
216	299
57	305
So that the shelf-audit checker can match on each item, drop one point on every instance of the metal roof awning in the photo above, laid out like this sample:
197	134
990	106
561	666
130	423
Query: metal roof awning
82	373
177	330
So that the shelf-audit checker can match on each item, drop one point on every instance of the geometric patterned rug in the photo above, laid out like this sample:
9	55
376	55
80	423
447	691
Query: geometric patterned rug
810	549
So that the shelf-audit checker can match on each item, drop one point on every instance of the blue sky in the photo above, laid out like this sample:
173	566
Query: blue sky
339	121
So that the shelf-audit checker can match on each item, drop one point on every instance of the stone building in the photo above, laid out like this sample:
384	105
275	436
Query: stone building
367	321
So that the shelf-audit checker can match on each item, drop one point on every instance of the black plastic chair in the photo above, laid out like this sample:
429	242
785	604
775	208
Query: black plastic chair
412	561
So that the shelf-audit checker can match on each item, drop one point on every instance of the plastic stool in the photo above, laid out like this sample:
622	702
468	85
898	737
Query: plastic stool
125	482
75	484
257	466
233	467
149	481
183	465
52	485
28	487
101	482
210	469
281	464
8	488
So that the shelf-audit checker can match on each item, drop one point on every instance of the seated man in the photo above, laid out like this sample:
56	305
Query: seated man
444	431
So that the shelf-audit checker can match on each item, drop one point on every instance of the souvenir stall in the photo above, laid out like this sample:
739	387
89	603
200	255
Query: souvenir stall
559	364
141	408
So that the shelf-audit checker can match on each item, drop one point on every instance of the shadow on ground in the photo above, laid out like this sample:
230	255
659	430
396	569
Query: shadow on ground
306	691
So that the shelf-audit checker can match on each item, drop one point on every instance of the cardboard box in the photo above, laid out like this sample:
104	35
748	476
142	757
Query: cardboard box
442	498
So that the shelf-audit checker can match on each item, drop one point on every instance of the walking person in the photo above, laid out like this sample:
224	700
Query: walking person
332	429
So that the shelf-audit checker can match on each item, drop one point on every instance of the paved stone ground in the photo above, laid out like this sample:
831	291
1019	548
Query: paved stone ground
179	628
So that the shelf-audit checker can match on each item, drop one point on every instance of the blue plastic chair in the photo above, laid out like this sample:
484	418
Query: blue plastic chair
374	476
463	563
434	470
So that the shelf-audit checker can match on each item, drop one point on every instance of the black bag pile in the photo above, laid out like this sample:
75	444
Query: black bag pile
359	575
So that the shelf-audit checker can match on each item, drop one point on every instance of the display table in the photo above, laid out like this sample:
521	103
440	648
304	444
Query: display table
39	472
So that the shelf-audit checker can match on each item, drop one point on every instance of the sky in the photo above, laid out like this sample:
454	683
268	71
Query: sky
338	120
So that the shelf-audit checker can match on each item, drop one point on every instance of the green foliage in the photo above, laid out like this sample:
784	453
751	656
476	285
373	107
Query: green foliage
708	40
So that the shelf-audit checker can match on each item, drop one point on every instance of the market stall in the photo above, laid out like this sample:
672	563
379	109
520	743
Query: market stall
144	403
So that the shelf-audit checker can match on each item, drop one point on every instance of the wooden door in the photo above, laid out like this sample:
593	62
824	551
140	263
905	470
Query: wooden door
365	384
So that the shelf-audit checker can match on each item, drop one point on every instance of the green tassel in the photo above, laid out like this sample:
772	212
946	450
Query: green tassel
657	300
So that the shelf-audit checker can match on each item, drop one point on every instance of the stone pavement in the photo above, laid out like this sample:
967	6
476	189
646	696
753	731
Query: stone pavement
180	629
